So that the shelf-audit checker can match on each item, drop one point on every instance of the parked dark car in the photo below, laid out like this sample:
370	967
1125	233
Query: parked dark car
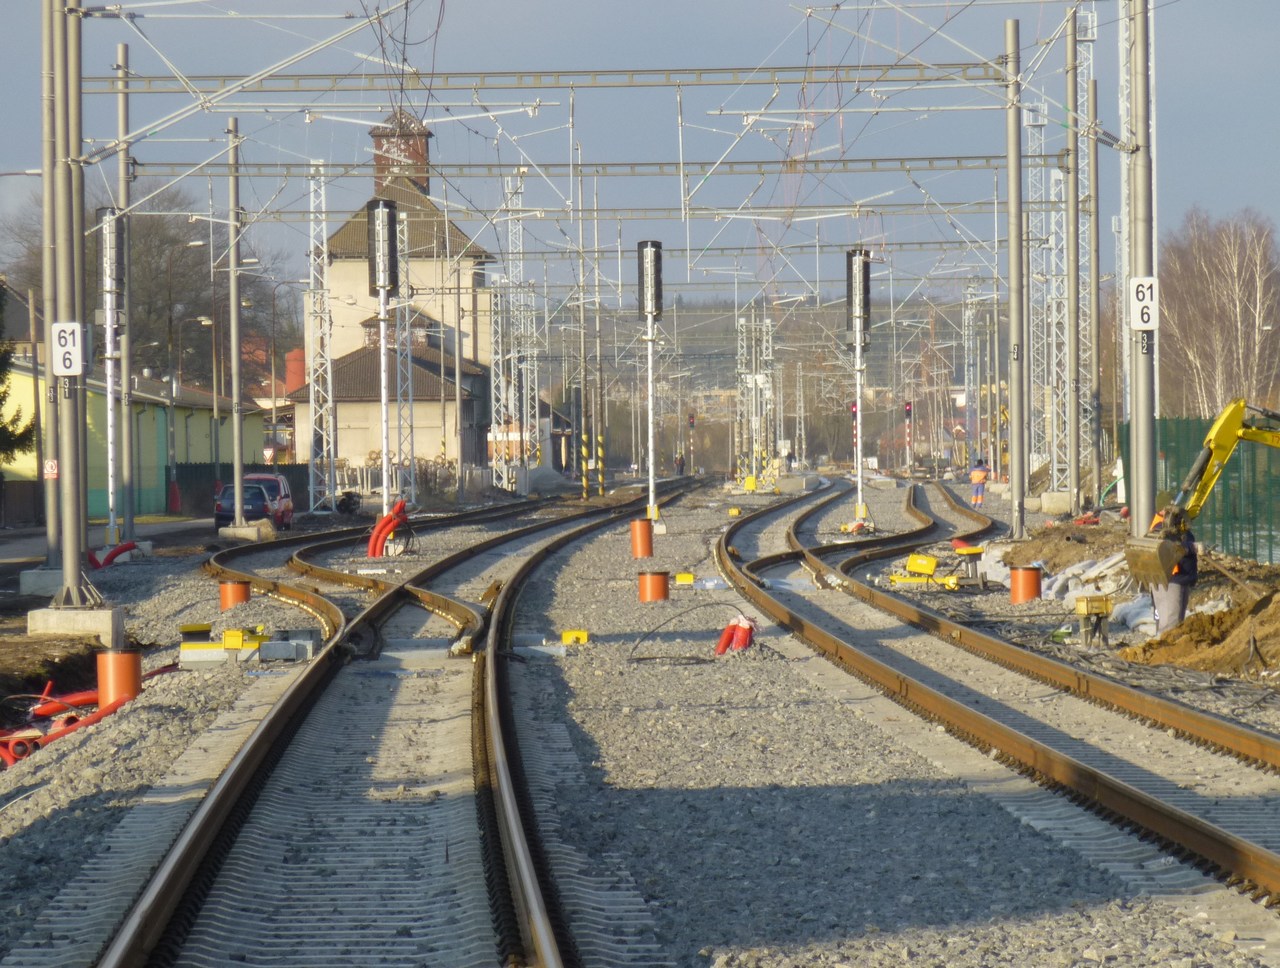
256	505
278	493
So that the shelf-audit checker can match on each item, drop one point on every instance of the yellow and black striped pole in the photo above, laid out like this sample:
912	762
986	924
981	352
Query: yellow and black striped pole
600	464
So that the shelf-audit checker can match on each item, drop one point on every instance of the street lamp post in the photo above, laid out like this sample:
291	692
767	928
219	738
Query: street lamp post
213	386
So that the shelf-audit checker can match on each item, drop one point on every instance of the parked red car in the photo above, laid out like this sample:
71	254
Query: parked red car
265	496
278	496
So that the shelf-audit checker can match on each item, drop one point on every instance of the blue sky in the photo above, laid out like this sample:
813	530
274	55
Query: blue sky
1216	137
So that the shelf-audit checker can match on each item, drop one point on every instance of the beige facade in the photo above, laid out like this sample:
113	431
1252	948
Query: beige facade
448	309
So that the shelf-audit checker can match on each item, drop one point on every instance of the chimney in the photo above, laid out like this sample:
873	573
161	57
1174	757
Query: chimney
400	149
295	370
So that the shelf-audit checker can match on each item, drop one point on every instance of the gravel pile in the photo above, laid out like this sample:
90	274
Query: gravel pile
766	822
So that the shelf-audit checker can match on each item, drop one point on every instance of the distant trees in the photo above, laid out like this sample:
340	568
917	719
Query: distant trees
17	436
1220	314
177	273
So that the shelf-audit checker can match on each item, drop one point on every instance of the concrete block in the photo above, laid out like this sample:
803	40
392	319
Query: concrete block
40	581
201	655
254	531
1055	502
286	651
106	623
795	483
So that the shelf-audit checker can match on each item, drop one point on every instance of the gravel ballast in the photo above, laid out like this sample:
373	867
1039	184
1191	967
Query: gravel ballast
769	823
764	816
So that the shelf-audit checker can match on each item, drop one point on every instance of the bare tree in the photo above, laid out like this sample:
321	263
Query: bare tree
1219	305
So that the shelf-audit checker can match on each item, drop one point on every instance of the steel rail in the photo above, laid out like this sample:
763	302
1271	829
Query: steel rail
1257	866
1202	727
147	921
550	941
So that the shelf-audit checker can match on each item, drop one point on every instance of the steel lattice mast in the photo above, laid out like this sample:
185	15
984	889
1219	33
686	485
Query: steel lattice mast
514	393
321	475
1051	377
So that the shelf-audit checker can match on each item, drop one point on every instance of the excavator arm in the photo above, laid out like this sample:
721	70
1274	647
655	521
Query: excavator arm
1152	558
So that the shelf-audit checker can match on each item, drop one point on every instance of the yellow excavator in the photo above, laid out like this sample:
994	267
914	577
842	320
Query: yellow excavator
1152	558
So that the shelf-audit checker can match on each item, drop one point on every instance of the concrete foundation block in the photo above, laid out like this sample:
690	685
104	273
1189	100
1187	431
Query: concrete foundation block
795	483
105	623
256	531
201	655
1055	502
40	581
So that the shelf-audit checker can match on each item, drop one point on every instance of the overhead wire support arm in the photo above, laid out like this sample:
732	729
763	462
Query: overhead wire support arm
468	81
213	95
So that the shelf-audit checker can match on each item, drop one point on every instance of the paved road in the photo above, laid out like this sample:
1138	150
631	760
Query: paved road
23	548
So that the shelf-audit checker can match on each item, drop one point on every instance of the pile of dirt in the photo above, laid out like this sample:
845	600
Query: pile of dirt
1058	546
1242	640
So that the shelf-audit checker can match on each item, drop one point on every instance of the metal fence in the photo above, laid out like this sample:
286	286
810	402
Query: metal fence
1241	515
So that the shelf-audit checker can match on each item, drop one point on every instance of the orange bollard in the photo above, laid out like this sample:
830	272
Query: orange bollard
642	538
1024	584
232	593
119	675
654	585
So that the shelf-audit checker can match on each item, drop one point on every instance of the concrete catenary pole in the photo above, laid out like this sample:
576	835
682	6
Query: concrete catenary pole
76	592
1143	438
1095	303
48	273
1017	348
124	307
233	313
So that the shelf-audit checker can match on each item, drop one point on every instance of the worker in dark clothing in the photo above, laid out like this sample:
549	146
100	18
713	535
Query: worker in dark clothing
1171	600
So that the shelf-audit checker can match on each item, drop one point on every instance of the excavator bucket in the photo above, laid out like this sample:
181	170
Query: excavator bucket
1152	560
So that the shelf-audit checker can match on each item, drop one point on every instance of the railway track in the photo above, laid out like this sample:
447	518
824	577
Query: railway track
350	820
1205	786
299	883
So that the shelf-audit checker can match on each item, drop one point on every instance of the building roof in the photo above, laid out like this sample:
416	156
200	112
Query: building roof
357	377
431	234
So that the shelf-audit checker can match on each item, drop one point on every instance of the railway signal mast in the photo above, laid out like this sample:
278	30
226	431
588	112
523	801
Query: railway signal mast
384	276
857	332
649	258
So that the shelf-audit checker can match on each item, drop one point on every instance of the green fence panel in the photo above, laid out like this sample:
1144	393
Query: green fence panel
1241	513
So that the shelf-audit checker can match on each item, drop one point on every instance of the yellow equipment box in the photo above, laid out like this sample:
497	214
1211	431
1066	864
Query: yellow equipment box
243	638
574	637
1093	605
918	564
